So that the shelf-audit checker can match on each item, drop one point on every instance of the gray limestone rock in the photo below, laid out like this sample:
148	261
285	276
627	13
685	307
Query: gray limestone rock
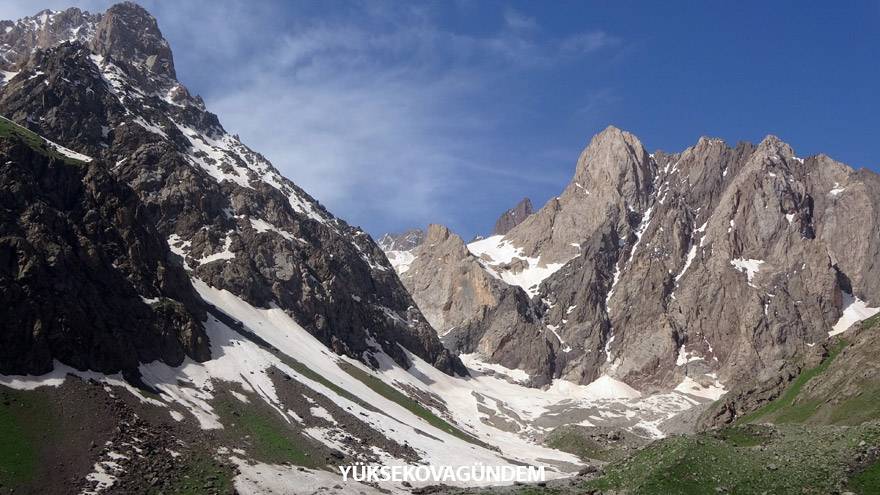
513	217
709	265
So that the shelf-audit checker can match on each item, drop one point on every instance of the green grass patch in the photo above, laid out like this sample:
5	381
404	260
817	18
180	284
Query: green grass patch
794	459
742	437
9	129
265	435
26	423
409	404
872	321
534	490
867	482
575	441
783	409
312	375
202	475
857	410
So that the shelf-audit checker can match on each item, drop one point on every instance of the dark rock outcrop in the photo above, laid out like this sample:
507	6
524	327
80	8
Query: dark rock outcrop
84	276
235	220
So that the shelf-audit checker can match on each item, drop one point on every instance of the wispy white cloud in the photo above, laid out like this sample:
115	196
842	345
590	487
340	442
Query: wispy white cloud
384	124
585	43
519	21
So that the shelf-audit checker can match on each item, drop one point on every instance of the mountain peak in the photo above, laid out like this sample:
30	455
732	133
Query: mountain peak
438	233
772	145
709	141
613	138
127	32
613	158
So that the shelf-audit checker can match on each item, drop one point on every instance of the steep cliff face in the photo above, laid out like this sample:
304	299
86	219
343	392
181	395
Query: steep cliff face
693	269
105	86
85	278
513	217
472	309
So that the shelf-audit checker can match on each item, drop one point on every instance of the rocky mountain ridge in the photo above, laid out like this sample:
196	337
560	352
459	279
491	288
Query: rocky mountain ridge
687	270
236	222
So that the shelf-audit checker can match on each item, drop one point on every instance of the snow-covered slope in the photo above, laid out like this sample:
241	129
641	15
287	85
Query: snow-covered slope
498	421
505	261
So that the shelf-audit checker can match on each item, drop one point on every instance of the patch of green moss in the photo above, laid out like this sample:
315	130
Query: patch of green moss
793	460
202	475
857	410
872	321
534	490
569	439
312	375
742	437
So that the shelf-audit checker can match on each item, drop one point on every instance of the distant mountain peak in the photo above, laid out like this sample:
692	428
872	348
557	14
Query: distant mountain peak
402	241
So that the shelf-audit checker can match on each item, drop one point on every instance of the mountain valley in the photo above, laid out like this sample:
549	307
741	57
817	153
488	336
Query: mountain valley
179	317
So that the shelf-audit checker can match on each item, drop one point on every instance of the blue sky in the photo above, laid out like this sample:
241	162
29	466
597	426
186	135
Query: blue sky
397	114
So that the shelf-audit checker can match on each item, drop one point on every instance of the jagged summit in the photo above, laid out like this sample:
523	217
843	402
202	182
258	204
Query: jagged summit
130	34
403	241
624	266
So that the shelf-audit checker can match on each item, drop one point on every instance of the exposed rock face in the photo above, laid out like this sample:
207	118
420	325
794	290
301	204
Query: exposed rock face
698	268
513	217
130	35
47	28
236	223
84	276
473	310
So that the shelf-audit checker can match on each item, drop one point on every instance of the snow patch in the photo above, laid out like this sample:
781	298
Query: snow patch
224	254
400	260
692	387
748	266
854	310
476	362
495	253
263	226
685	357
271	479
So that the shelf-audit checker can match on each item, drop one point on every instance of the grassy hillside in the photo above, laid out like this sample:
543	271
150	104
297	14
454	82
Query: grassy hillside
787	408
844	389
9	129
752	459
